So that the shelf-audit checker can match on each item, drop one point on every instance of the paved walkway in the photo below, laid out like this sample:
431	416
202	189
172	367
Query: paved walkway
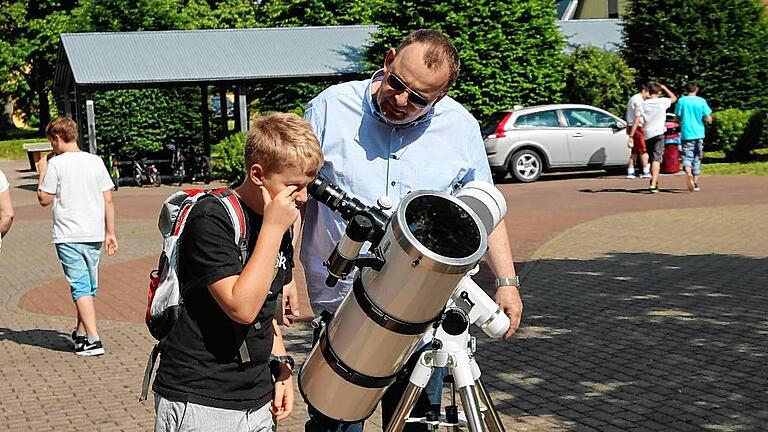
642	312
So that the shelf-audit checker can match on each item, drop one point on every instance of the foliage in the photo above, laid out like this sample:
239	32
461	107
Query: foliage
597	77
228	158
511	52
292	96
720	44
143	121
729	132
28	53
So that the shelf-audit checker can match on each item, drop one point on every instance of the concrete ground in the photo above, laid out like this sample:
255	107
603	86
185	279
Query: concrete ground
642	312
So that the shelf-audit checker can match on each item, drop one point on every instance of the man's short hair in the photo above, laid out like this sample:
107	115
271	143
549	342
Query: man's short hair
654	87
280	140
63	127
691	86
439	52
642	87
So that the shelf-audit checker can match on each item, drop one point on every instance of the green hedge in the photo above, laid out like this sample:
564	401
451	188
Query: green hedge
228	158
737	132
143	121
597	77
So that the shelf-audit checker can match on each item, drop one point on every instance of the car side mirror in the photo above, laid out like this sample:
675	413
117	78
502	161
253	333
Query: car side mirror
619	125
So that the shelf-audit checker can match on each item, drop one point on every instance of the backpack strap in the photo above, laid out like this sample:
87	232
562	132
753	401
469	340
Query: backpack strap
235	210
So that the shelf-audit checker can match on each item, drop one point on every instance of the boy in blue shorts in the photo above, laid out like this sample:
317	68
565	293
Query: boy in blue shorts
79	187
693	111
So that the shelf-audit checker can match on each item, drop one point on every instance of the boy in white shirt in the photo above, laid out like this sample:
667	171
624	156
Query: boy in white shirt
653	112
79	186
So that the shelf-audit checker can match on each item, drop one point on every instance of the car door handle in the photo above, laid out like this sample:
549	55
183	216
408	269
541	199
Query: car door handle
578	135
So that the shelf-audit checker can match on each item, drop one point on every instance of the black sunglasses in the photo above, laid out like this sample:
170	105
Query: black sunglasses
399	86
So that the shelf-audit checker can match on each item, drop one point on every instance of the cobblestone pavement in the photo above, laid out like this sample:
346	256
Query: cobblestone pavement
642	312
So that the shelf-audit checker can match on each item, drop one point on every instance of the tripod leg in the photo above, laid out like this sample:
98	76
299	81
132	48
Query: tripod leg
417	381
462	373
471	409
491	416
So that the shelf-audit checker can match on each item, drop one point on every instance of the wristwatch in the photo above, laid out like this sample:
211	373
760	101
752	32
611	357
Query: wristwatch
276	360
510	281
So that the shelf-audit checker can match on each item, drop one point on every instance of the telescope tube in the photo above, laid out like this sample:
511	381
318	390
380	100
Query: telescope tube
432	240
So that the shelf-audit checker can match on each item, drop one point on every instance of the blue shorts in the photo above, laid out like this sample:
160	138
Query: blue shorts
692	151
80	262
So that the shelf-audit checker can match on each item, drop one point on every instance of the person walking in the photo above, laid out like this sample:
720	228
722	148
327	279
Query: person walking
79	187
636	140
693	111
653	115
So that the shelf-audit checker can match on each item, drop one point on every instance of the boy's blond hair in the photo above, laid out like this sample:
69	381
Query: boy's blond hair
64	127
280	140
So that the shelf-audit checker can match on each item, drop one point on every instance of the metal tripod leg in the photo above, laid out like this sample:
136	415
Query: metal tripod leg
462	374
492	419
417	382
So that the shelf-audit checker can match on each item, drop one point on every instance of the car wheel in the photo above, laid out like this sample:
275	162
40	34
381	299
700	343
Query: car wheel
526	166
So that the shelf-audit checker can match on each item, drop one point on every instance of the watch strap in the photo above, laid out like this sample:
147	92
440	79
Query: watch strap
509	281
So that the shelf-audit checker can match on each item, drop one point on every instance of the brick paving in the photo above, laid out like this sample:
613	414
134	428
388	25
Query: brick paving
642	312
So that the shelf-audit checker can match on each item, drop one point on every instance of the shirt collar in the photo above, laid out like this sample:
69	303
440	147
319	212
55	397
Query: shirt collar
373	107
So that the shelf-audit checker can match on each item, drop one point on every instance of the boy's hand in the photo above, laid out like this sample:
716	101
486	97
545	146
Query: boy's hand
42	164
290	303
280	211
282	401
110	244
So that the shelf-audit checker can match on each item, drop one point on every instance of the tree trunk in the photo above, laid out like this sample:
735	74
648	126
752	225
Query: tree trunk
45	110
6	118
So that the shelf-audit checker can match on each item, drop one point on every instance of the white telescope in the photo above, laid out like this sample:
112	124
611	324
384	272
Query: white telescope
420	256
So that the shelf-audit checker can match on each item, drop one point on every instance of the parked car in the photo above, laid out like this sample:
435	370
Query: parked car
527	141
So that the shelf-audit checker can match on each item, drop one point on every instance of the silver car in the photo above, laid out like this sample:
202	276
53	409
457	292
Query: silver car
526	142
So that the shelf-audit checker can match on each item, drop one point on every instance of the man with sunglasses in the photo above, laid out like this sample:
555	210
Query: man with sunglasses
383	138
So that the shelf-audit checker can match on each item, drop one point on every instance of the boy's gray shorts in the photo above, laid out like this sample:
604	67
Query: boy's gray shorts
187	417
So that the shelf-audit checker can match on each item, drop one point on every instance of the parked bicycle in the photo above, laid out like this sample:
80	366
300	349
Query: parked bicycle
145	172
200	167
178	162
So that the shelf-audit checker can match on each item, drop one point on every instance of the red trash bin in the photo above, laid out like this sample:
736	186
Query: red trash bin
670	161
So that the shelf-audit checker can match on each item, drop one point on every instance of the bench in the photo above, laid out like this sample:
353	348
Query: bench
35	152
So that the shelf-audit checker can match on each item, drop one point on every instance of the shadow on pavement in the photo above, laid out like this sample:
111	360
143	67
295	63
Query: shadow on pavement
44	338
638	342
643	190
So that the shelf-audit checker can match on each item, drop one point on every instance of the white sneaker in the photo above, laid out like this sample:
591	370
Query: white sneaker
646	175
631	176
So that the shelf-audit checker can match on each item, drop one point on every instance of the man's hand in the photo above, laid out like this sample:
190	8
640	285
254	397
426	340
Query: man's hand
110	244
508	298
290	303
42	165
282	401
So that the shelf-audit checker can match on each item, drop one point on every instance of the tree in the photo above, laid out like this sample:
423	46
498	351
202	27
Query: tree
511	52
720	44
28	53
597	77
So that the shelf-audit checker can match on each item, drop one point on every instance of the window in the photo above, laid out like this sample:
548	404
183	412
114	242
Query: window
613	8
587	118
538	119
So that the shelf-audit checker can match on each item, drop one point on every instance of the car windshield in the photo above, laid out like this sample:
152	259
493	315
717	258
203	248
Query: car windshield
491	122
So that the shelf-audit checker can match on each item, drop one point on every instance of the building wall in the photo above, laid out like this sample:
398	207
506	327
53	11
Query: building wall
592	9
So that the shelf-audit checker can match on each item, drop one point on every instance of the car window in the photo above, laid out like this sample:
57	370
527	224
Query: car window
587	118
538	119
489	125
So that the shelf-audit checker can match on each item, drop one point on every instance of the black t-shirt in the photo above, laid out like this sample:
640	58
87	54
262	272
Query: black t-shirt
199	360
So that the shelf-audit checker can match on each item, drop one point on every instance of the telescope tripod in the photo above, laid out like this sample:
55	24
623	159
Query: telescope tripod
451	348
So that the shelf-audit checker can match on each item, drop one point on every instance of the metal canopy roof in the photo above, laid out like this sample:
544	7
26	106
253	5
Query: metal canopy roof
155	58
602	33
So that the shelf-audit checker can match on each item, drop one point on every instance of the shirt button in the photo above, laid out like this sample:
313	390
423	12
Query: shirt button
394	183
